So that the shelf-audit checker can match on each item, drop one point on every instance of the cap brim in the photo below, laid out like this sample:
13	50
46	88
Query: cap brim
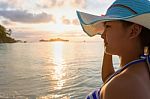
93	24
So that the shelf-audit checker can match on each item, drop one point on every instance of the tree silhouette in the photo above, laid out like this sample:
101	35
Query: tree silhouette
5	35
2	31
9	32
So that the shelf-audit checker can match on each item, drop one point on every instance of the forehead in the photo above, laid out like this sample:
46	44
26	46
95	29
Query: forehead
112	22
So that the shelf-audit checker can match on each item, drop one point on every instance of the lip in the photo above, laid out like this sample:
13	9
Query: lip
105	43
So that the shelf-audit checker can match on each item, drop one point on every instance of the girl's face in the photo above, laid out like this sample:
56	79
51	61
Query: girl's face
115	37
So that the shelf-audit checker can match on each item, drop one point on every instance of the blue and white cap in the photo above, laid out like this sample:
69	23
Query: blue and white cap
136	11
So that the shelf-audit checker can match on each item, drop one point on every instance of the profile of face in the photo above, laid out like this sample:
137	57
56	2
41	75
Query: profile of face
117	38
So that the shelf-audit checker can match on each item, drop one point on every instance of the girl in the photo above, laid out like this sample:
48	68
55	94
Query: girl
126	32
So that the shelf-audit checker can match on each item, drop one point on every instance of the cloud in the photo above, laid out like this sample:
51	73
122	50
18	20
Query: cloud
60	3
75	22
98	6
78	3
46	3
26	17
65	20
11	4
69	21
49	3
40	4
6	22
3	5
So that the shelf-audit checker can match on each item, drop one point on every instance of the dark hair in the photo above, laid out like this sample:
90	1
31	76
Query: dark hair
144	35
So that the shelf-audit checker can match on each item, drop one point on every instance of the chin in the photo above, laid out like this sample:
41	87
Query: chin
110	52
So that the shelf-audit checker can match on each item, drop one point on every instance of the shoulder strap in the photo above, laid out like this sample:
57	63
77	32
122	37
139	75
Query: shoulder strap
126	66
148	63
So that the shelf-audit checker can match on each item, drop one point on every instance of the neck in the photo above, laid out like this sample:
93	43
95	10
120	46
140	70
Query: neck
128	57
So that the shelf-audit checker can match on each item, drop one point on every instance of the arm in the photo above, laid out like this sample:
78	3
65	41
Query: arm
107	67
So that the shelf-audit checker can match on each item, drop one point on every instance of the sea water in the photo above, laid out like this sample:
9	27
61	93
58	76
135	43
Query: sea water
50	70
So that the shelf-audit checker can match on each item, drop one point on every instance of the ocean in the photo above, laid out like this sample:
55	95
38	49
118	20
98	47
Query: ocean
50	70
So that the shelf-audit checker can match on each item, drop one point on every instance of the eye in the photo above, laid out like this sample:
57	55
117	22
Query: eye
107	26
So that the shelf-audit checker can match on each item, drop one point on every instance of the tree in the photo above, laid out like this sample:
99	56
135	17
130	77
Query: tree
9	31
5	35
2	31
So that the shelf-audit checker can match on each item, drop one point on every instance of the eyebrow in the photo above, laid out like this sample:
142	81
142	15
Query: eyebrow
104	23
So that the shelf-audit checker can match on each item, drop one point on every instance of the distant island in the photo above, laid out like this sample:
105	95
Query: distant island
53	40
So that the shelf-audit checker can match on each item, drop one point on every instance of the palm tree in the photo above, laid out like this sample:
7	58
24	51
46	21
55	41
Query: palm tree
9	32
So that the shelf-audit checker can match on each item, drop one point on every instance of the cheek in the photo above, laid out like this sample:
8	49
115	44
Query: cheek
116	38
111	37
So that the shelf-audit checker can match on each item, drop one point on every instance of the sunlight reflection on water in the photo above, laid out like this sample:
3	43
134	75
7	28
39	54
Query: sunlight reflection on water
50	70
58	61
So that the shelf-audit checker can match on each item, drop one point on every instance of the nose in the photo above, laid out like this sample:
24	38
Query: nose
103	35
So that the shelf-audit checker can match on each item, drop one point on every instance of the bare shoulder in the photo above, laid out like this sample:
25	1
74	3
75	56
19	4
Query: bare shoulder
123	86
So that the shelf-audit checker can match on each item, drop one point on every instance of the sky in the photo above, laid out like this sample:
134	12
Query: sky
32	20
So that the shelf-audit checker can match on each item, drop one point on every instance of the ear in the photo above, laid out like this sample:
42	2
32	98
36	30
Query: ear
135	31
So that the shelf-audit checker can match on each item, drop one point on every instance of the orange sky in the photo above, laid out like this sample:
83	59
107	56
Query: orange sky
36	19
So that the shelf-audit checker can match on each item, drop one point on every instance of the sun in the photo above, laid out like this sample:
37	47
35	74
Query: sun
57	26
